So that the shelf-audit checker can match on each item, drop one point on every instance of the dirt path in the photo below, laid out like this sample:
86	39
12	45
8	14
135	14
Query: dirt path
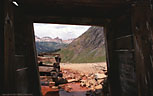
85	67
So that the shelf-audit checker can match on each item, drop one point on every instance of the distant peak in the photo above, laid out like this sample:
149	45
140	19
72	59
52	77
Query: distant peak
57	38
47	37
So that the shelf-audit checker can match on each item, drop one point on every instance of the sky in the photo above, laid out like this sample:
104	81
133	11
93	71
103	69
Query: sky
59	30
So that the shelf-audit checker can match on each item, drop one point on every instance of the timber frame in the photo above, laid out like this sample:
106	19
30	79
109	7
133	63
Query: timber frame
128	28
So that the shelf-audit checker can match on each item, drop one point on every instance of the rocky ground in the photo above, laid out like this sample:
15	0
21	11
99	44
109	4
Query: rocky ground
85	67
81	79
89	75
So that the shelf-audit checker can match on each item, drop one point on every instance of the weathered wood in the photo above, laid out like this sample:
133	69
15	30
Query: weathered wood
86	12
18	58
45	69
26	64
2	45
78	16
127	73
143	41
81	6
70	20
121	56
112	65
124	43
9	51
32	59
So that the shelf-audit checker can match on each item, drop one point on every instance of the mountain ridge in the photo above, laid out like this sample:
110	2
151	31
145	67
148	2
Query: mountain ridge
49	39
89	47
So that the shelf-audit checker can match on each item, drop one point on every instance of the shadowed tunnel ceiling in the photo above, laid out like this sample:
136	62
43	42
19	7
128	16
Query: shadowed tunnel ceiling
69	11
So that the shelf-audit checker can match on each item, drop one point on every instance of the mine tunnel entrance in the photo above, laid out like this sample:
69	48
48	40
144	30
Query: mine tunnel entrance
120	56
128	31
71	60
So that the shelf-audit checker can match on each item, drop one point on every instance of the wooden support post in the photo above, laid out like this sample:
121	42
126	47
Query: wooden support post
112	65
1	45
9	49
25	54
17	77
143	40
120	56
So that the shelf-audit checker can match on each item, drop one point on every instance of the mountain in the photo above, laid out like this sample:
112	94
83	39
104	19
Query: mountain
37	39
89	47
49	47
68	41
47	44
49	39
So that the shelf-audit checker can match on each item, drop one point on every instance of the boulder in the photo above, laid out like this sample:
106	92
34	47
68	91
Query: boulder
98	87
99	76
68	88
55	87
51	84
71	80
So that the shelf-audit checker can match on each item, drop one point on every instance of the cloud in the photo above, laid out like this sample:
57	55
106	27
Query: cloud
57	30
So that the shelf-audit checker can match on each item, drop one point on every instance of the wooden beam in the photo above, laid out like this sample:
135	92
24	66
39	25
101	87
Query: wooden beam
79	15
72	8
143	40
112	64
120	56
70	3
9	49
2	45
26	58
70	20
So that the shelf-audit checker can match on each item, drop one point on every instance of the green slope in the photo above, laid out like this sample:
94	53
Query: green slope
89	47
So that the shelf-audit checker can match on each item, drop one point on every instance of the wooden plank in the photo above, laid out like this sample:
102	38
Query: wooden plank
125	56
76	2
2	45
143	42
21	85
69	3
78	8
32	58
127	73
25	46
20	61
120	56
112	64
9	51
70	20
124	29
45	69
76	16
16	94
125	43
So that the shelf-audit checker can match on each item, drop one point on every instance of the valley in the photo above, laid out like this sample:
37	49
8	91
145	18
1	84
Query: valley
74	67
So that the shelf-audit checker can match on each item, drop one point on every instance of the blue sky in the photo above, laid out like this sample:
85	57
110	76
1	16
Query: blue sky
59	30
